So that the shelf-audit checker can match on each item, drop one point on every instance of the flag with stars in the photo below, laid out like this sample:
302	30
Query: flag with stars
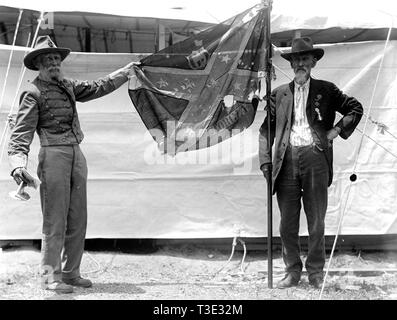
199	92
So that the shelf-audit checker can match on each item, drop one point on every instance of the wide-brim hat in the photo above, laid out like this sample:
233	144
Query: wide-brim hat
44	44
302	46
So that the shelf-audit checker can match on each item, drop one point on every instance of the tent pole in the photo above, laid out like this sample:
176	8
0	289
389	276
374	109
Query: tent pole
269	182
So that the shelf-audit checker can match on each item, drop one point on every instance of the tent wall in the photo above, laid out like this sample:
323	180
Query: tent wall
109	32
134	192
92	32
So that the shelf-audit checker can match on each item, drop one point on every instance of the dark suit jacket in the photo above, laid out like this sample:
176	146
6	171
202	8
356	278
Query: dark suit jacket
324	96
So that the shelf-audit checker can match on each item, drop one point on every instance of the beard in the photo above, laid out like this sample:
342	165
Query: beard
301	76
54	73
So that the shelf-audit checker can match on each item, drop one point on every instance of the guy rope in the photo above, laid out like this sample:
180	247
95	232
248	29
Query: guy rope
6	126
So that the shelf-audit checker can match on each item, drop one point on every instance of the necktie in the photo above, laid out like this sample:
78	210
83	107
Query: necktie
300	100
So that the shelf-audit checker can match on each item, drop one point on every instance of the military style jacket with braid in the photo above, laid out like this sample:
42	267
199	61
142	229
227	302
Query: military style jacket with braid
50	109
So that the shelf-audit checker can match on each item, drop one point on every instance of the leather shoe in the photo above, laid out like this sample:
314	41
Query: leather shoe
316	282
79	282
59	287
288	281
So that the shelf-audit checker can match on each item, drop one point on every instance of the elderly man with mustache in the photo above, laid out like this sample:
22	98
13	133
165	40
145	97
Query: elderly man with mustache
302	129
49	108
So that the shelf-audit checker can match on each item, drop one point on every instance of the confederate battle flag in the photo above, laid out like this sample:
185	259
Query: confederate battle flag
199	92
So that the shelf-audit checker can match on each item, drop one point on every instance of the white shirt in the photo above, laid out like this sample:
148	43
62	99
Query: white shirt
301	134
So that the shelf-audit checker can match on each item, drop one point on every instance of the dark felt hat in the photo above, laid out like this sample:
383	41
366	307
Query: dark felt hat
301	46
44	44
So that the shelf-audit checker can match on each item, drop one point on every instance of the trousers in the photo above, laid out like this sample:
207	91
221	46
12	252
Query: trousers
303	178
62	171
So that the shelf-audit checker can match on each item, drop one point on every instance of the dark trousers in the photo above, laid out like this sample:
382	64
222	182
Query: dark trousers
303	176
63	191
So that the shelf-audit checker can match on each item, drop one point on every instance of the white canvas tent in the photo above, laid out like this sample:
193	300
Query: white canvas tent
134	192
131	26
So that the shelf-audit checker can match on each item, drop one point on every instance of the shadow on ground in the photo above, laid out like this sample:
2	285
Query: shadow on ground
108	289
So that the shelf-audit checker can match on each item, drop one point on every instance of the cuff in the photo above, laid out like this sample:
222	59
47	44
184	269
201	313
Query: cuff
19	160
119	77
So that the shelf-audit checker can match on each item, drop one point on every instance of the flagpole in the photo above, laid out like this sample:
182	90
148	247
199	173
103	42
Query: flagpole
269	181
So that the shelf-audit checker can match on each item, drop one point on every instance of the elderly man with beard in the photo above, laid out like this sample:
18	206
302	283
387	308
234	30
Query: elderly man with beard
48	107
302	129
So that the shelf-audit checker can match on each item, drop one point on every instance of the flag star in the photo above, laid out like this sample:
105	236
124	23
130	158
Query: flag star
162	83
212	83
237	86
198	43
225	58
187	85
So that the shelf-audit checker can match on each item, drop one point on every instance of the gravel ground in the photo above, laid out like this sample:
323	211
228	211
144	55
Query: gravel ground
197	273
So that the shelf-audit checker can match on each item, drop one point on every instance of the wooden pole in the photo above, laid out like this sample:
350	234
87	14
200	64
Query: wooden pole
269	182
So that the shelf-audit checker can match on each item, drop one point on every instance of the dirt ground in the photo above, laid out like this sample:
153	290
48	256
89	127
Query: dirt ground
198	273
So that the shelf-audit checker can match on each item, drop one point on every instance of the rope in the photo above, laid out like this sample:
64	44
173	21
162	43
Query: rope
244	255
377	143
355	163
6	124
3	145
95	261
372	97
3	136
382	127
10	58
39	21
234	243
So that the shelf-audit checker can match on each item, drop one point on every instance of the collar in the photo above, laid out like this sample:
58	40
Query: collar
51	82
305	85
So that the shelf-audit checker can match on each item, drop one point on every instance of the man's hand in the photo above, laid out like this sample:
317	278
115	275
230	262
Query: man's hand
18	176
266	168
22	175
333	133
133	63
129	67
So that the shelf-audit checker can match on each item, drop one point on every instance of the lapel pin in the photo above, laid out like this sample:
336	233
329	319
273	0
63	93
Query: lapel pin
320	118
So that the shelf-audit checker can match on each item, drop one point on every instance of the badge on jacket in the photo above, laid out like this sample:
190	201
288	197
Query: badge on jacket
317	104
